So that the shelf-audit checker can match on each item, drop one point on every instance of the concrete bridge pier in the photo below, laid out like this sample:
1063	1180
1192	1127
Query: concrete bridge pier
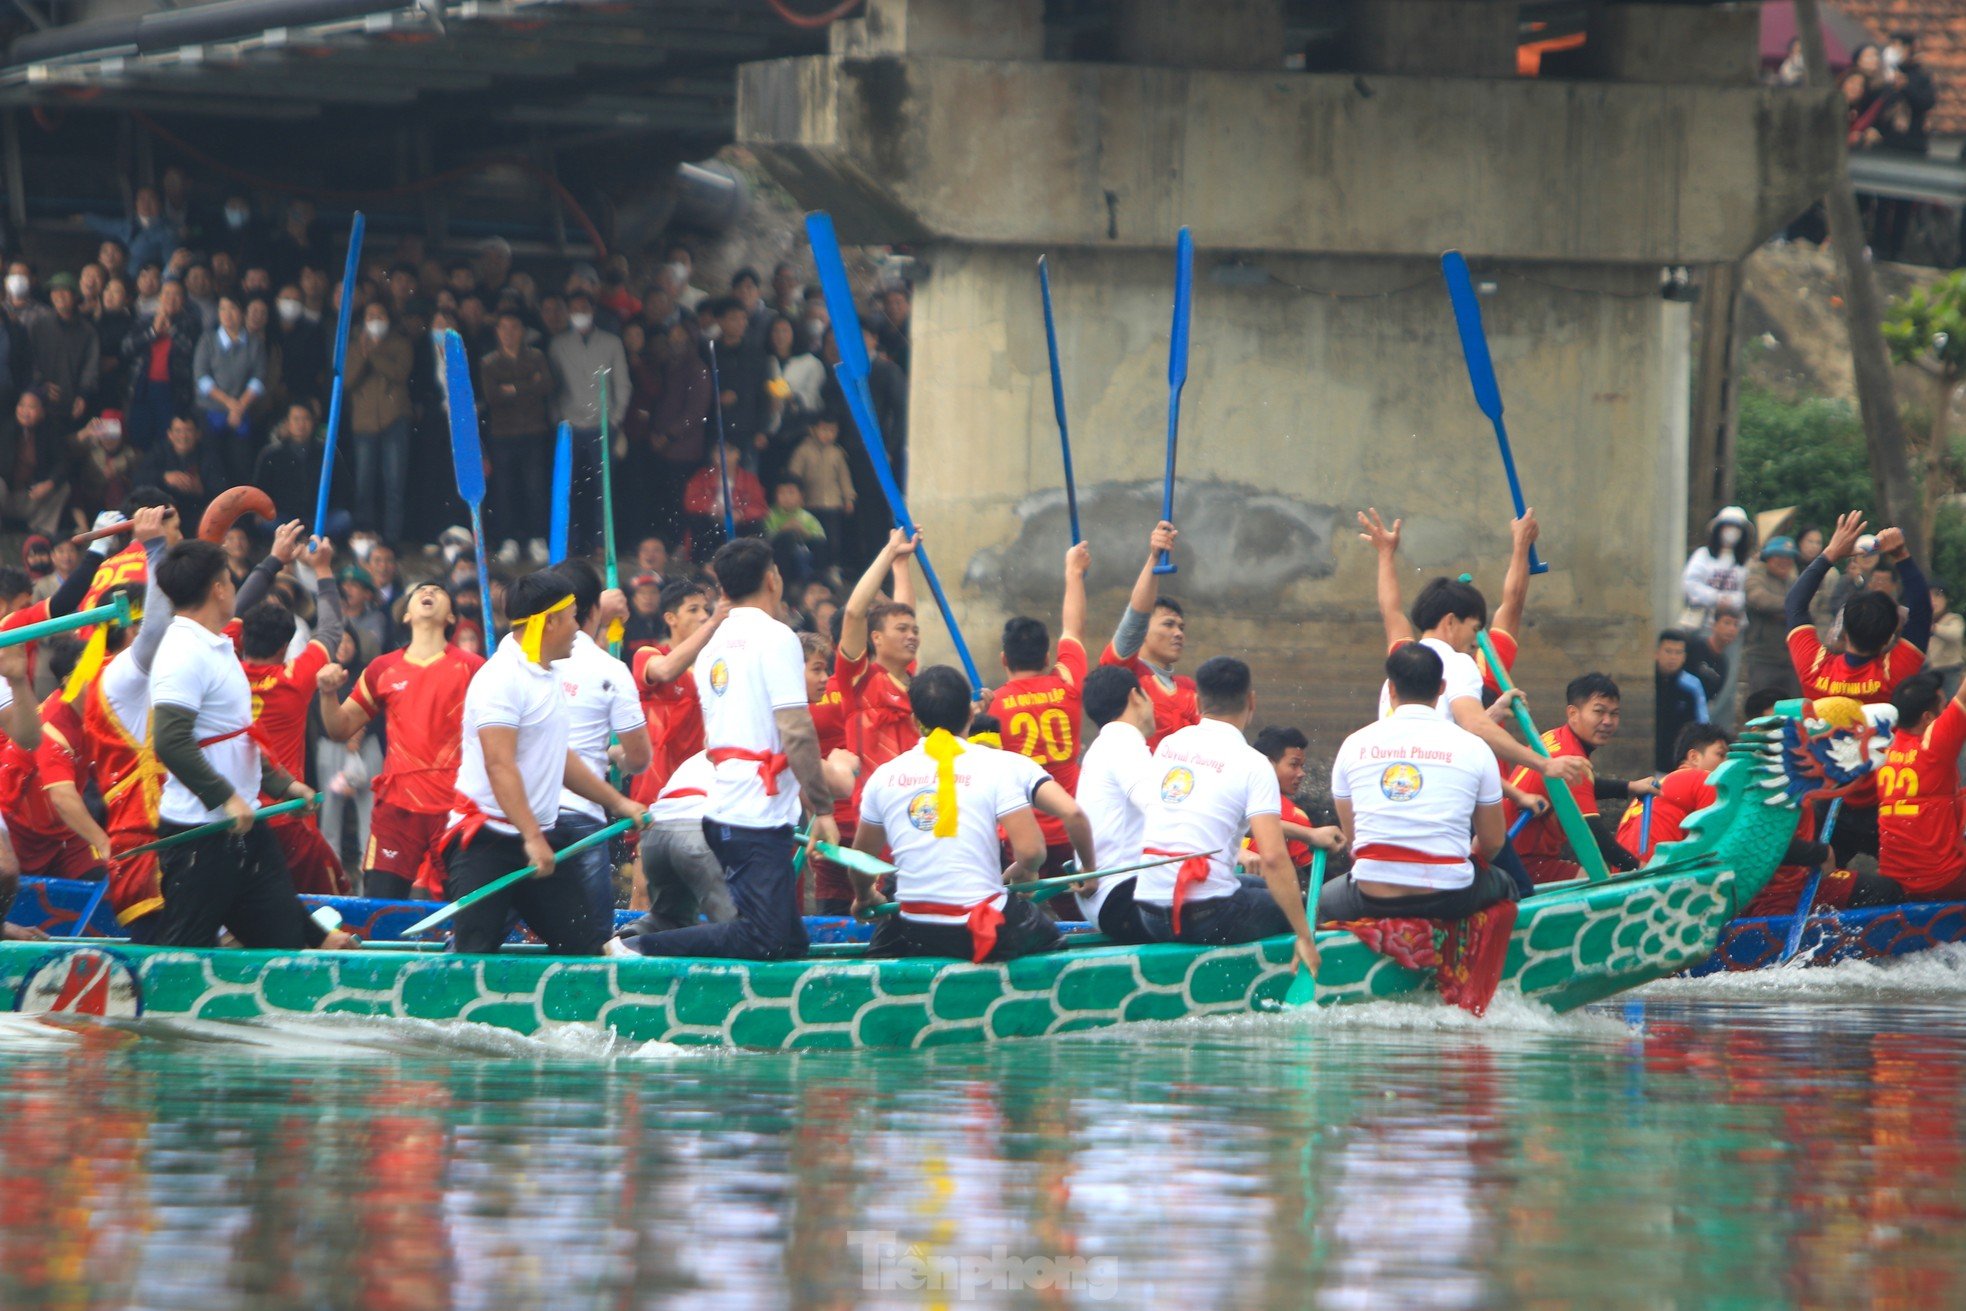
1325	372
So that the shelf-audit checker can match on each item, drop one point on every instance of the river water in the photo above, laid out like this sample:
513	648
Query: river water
1791	1139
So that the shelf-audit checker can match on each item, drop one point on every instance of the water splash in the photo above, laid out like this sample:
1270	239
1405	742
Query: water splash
1934	975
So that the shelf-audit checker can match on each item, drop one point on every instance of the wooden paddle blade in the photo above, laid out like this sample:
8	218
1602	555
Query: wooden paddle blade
831	267
1184	284
1474	339
466	453
226	508
562	491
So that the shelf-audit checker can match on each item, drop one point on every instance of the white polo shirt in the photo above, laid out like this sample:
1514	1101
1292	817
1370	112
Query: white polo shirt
1117	783
1414	783
510	691
968	867
751	668
1460	672
601	702
198	670
1208	784
683	797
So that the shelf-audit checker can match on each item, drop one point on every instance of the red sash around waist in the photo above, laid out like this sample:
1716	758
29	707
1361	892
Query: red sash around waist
1193	870
430	874
1393	853
984	921
770	763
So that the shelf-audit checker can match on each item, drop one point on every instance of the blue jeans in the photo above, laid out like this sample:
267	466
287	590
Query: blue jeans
592	867
1244	915
382	474
758	869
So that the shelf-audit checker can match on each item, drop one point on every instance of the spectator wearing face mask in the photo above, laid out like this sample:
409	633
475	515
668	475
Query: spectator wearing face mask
579	356
375	381
1715	577
304	362
106	467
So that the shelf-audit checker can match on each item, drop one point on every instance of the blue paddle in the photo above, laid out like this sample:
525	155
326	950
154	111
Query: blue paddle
853	369
1644	827
469	459
348	275
1481	373
1177	375
1058	398
81	929
562	491
1807	901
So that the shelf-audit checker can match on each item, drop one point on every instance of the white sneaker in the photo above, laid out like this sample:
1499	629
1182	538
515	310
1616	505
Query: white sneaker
508	553
537	550
616	947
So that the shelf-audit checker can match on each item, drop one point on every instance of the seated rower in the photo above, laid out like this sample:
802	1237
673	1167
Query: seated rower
518	757
1117	782
1919	850
1408	790
1210	783
1591	711
937	807
1284	748
685	881
1699	750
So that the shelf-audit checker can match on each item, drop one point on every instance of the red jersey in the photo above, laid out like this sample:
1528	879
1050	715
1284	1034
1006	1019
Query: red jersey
675	716
880	723
130	565
131	782
1300	852
25	775
281	695
1174	707
1918	813
832	716
1541	844
1683	792
1040	718
425	704
1505	651
1868	681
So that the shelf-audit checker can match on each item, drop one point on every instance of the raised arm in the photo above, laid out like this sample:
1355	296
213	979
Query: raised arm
1071	621
1915	592
1132	628
853	619
259	583
1515	583
315	568
152	531
1385	542
662	669
1842	541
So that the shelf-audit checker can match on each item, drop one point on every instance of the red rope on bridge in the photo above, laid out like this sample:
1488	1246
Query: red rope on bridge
797	19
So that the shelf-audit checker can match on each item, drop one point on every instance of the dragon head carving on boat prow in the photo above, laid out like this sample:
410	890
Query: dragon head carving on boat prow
1802	752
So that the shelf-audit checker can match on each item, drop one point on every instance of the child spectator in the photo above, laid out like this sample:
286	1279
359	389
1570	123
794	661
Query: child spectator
796	538
827	484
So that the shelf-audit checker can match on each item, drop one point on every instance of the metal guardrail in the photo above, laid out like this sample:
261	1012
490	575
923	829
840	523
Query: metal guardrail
1909	177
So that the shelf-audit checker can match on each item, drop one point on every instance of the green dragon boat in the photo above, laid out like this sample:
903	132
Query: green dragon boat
1571	945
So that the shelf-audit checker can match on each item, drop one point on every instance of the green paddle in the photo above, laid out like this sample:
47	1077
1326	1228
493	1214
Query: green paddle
497	885
1583	847
220	826
117	611
1303	987
1046	889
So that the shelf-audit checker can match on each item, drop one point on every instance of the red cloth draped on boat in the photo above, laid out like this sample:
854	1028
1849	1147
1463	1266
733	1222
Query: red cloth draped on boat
1465	955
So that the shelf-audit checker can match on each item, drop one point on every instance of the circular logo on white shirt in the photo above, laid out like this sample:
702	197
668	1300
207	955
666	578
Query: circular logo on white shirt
1401	782
921	811
1176	784
719	677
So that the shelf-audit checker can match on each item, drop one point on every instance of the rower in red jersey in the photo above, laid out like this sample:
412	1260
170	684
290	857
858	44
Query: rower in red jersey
876	660
832	708
1700	750
116	724
1284	748
691	613
1878	653
283	689
54	835
1149	641
1920	851
1592	705
421	688
1039	707
1515	599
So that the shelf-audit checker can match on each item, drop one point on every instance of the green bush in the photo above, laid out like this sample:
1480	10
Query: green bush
1808	454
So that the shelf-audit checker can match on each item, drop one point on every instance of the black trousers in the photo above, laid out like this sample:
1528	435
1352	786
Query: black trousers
1341	900
1025	931
557	907
521	487
381	886
1118	919
227	881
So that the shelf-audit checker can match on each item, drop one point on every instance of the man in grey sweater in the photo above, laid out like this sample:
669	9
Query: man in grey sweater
580	356
230	368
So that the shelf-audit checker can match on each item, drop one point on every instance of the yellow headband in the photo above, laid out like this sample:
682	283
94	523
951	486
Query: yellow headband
89	663
943	747
532	632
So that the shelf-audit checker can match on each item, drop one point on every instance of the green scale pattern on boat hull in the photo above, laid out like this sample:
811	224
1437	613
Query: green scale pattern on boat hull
1571	946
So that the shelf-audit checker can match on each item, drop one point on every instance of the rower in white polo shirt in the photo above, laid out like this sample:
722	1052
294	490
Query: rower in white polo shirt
1211	784
758	732
1409	789
602	708
1117	783
515	762
938	807
202	719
